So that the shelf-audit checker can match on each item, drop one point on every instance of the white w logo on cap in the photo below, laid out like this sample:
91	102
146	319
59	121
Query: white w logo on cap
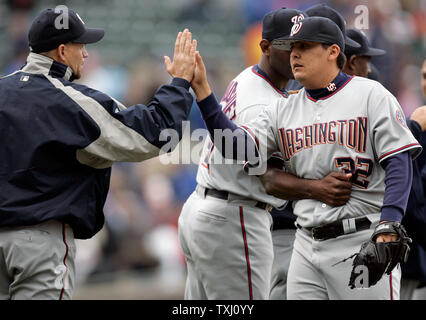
296	19
296	28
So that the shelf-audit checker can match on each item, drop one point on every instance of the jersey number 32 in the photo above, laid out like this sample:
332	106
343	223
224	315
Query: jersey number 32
361	169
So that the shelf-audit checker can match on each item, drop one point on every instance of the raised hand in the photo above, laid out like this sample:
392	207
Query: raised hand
199	83
183	64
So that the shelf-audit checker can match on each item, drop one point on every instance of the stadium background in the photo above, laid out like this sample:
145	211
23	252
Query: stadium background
137	254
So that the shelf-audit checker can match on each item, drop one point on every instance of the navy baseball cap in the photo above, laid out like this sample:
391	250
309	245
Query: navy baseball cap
364	49
316	29
52	28
322	10
277	24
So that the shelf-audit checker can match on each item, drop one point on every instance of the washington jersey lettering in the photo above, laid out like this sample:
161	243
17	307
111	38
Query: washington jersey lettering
351	133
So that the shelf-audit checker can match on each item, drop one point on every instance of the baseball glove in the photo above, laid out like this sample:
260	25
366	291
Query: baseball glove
378	258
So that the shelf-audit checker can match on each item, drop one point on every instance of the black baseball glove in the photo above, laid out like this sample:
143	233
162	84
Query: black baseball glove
377	258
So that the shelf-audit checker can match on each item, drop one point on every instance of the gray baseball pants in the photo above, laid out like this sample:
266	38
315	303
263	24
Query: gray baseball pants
283	240
228	248
37	262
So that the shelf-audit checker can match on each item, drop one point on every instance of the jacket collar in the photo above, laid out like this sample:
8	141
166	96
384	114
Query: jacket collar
37	63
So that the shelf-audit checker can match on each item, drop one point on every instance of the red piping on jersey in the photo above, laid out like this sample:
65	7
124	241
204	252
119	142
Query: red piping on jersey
272	85
391	288
323	98
251	133
247	254
206	166
399	149
65	263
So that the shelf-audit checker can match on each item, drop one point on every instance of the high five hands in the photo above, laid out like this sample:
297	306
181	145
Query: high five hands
188	64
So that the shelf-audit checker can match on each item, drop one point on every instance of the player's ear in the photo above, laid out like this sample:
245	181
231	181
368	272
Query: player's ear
349	66
352	62
333	51
265	45
60	52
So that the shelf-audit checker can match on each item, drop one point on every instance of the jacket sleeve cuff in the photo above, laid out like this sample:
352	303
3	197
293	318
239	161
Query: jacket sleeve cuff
209	106
180	82
391	214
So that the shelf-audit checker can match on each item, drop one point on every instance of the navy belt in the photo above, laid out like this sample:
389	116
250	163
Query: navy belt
337	228
224	195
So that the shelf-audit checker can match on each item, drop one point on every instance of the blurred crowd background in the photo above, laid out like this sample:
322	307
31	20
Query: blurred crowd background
137	254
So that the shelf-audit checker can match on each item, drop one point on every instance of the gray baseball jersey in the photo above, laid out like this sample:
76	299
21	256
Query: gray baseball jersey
345	131
246	96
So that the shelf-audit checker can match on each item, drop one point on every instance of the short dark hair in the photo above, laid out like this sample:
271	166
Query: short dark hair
341	59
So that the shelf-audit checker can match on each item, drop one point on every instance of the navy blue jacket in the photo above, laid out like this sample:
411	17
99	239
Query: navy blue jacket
415	216
59	140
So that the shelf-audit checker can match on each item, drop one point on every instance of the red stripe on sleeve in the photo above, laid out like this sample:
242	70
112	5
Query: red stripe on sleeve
399	149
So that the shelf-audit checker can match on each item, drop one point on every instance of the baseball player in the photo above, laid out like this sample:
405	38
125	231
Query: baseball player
224	226
335	123
284	229
59	142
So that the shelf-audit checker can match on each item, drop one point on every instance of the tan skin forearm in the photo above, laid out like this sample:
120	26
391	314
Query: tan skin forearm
334	189
202	92
286	186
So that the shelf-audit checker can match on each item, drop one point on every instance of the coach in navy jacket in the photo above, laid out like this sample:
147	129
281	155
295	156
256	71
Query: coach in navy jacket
59	139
